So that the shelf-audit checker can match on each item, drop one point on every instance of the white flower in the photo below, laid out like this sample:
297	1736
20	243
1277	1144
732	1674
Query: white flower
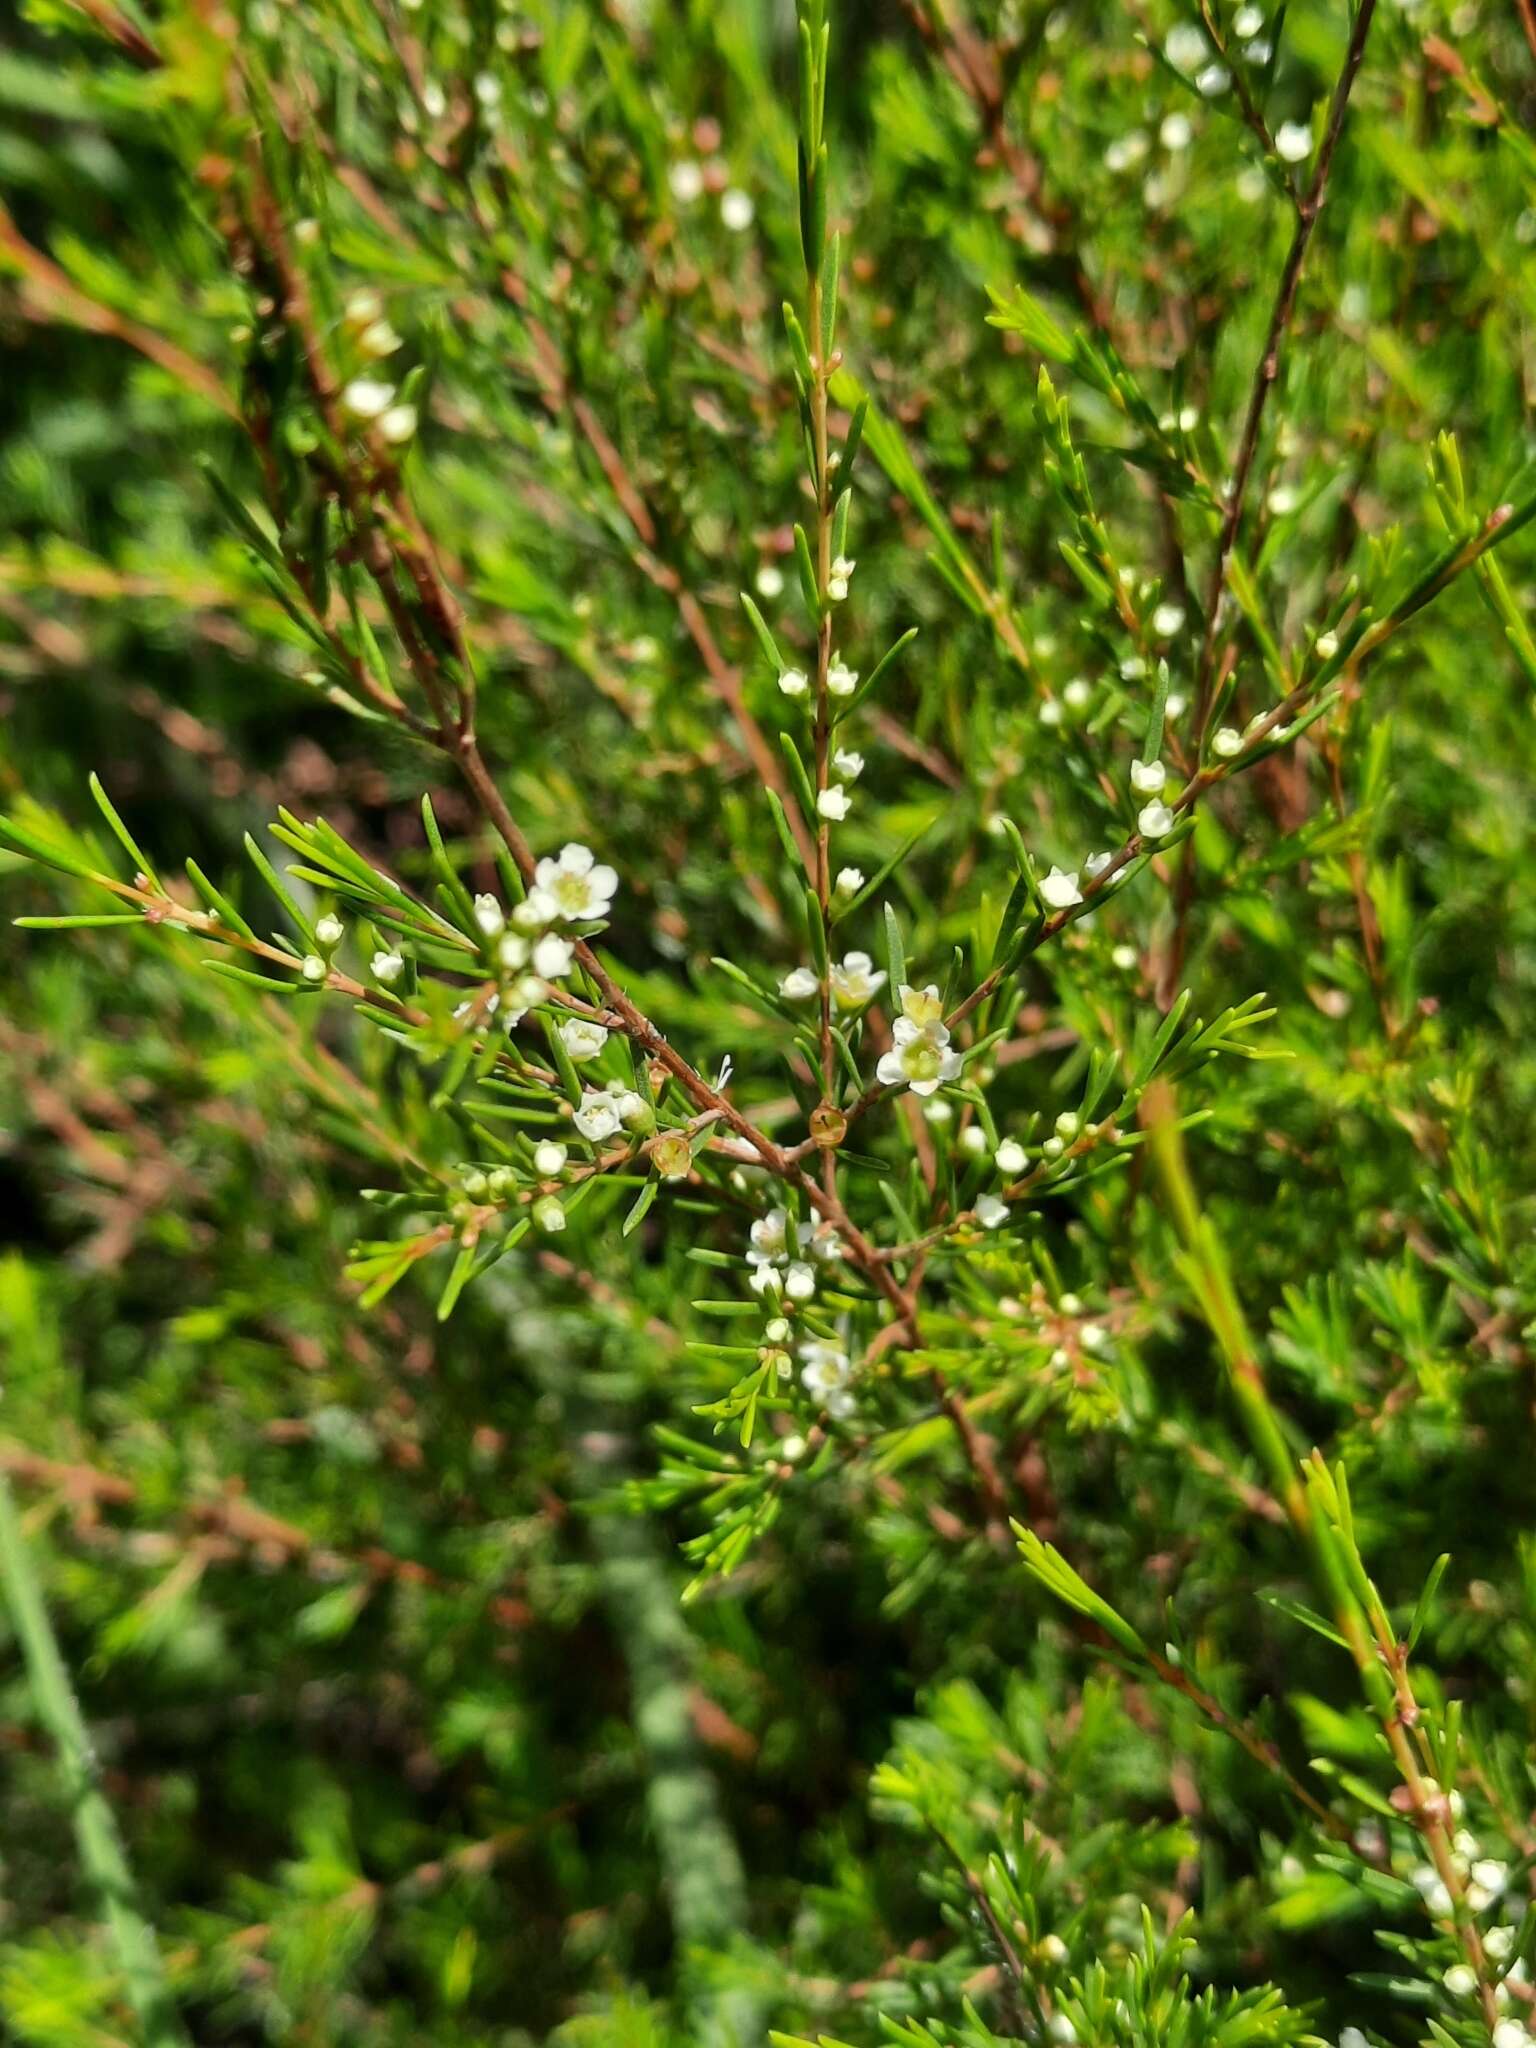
794	682
800	1281
549	1158
1126	150
313	967
1499	1941
834	803
548	1214
919	1060
537	909
330	931
1490	1874
632	1108
387	967
1060	891
1173	706
1282	499
1293	141
973	1139
799	985
1095	865
824	1369
1460	1980
765	1280
489	915
552	957
1066	1124
1186	46
1126	958
686	180
512	951
923	1009
1053	1148
487	89
849	881
521	997
1247	21
1078	694
770	580
1213	81
991	1211
1050	712
397	424
842	681
855	981
1148	777
365	398
1154	821
1176	132
736	210
582	1039
838	577
580	888
1351	2037
848	764
1509	2033
1167	619
1226	741
378	339
1011	1157
598	1116
770	1239
1327	646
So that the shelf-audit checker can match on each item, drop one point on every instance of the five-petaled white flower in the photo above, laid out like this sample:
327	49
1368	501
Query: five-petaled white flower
855	981
920	1059
849	881
799	985
598	1116
1059	891
1154	821
842	681
834	803
825	1371
770	1239
582	1039
579	887
848	763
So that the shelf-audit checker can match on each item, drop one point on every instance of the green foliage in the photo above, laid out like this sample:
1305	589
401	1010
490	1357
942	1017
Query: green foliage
688	1360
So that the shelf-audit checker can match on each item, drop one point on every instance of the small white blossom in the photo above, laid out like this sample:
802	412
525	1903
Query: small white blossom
1078	694
1050	712
489	915
842	681
1226	741
770	580
1126	150
397	424
1011	1157
365	398
849	881
487	90
1095	865
378	339
1213	81
1154	821
1499	1941
1460	1980
512	951
855	981
1167	620
920	1060
770	1239
1327	646
1053	1148
800	1281
598	1116
1176	132
1186	46
1293	141
794	682
799	985
1490	1874
548	1214
838	578
330	931
1148	777
1059	891
991	1211
580	887
313	967
1126	958
582	1039
923	1008
686	180
834	803
1282	499
973	1139
1510	2034
387	967
848	763
1247	21
1173	706
824	1373
549	1158
1351	2037
736	210
553	957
